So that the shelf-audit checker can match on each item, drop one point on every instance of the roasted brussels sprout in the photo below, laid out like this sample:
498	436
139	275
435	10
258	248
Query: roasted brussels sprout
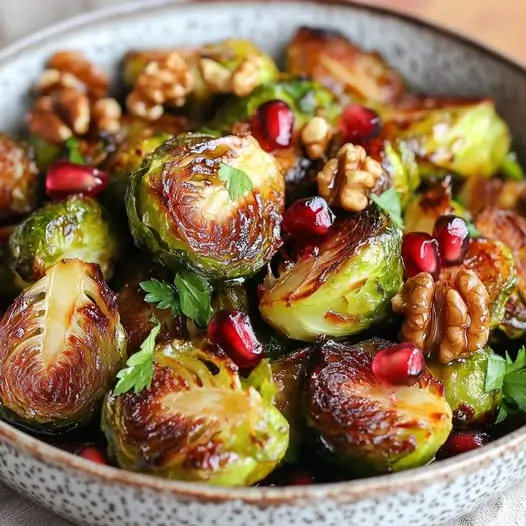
61	344
182	207
513	325
368	427
198	421
464	382
466	137
330	58
18	179
74	228
342	288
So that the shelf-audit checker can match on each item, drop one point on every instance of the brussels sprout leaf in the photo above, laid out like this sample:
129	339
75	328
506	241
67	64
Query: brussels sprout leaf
511	169
238	183
195	295
262	380
139	371
75	156
389	202
164	294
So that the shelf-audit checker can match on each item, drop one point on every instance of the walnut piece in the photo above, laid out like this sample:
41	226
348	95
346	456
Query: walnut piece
166	80
346	180
315	137
451	322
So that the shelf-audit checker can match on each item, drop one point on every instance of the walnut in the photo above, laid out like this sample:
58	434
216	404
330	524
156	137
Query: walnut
315	136
347	180
106	114
450	321
167	80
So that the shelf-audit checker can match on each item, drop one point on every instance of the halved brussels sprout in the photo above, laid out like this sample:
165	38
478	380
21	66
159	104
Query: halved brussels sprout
180	207
75	228
466	137
198	421
342	288
18	179
61	344
464	382
367	427
330	58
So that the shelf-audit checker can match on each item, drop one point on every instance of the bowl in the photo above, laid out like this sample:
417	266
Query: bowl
434	61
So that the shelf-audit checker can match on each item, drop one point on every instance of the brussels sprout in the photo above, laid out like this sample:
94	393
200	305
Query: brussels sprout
213	205
230	295
464	383
344	287
74	228
198	421
329	57
513	325
466	137
18	179
368	427
61	344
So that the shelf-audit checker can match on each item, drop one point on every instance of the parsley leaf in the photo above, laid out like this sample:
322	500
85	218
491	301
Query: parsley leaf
164	294
514	388
75	155
473	230
195	295
389	202
495	372
139	371
238	183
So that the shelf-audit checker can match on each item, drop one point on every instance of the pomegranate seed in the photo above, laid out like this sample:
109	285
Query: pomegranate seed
452	234
92	453
401	364
358	123
420	254
233	332
65	178
311	217
272	125
463	442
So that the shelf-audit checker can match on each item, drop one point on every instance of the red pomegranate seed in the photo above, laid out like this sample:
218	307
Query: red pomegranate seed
420	254
452	234
308	217
463	442
233	332
65	178
273	124
401	364
358	123
92	453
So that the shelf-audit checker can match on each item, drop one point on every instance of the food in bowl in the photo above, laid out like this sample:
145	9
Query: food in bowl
236	274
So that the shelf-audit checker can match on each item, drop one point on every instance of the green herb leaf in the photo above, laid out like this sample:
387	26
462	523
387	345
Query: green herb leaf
472	229
164	294
389	202
75	155
511	168
138	373
495	372
519	363
238	183
195	295
514	388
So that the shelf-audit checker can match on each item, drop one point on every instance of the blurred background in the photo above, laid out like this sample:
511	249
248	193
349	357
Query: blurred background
497	23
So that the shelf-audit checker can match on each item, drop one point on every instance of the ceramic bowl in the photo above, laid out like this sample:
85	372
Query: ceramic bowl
434	61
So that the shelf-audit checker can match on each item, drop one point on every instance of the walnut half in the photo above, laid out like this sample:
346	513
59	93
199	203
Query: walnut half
451	322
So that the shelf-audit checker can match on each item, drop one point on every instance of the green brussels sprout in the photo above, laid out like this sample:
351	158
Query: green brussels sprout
344	287
61	344
464	382
329	57
211	204
466	137
74	228
198	421
18	179
365	426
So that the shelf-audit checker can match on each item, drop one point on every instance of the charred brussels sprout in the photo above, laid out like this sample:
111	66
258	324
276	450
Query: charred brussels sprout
464	383
61	344
18	179
182	207
330	58
198	421
342	288
75	228
368	427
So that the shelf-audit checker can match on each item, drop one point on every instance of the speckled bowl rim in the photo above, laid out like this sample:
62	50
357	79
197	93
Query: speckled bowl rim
411	481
